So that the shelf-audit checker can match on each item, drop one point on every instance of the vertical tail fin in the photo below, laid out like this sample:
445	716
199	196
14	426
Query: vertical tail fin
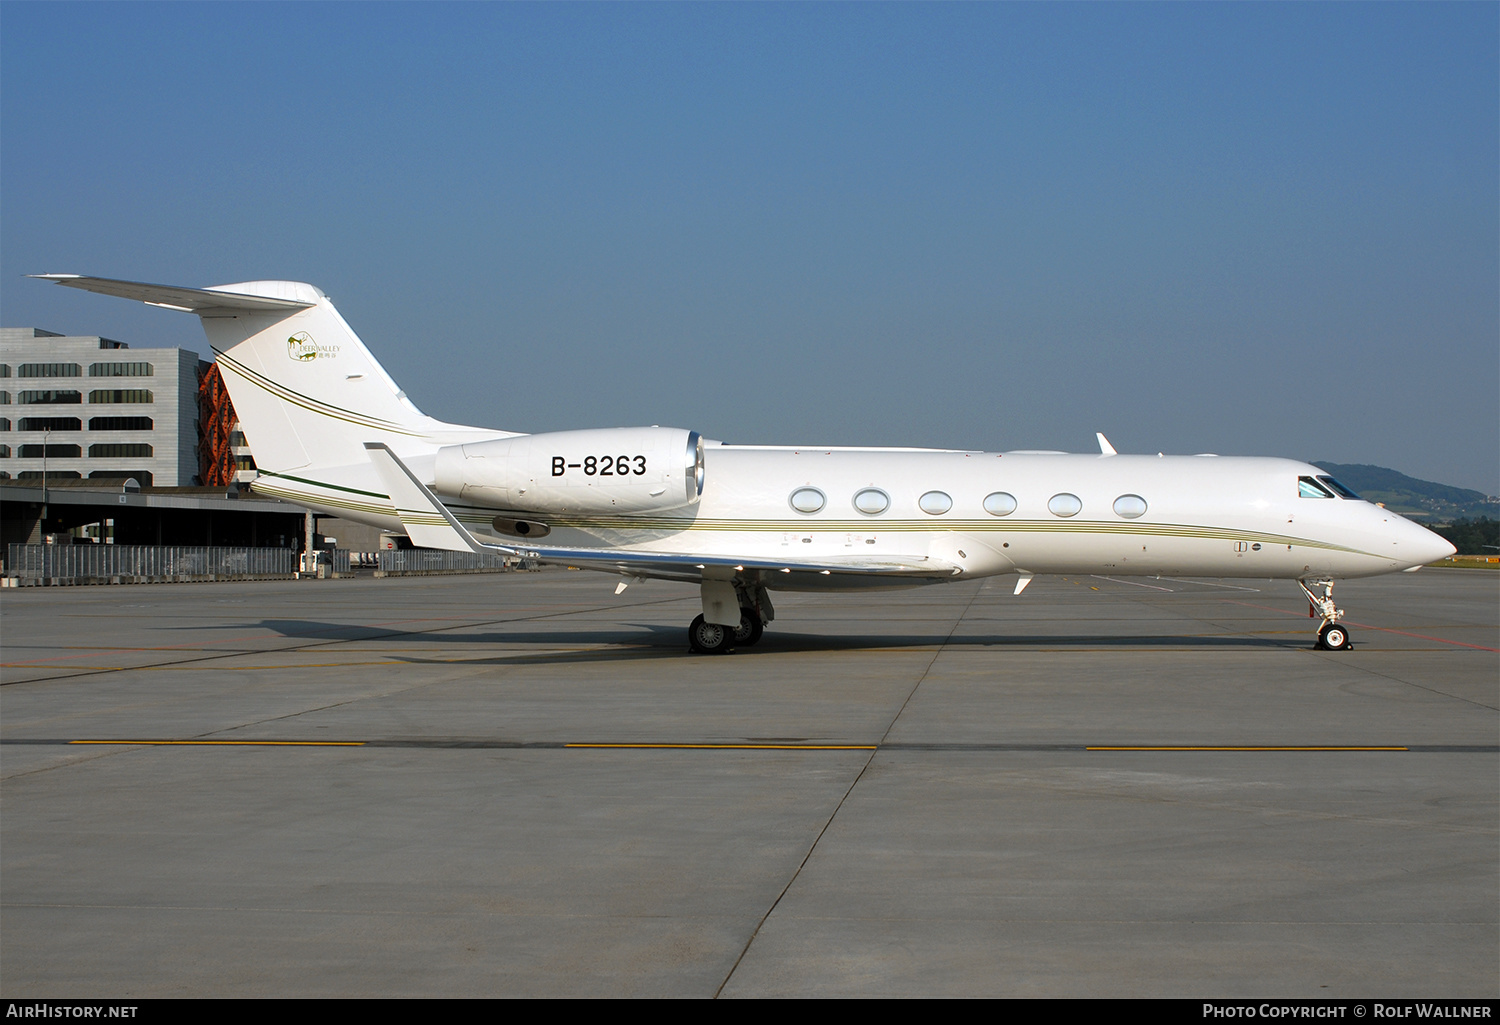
307	392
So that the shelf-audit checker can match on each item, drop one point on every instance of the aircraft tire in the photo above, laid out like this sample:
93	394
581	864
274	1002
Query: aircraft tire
707	638
749	630
1334	638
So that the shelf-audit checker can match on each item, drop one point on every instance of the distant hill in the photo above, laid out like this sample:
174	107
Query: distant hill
1424	499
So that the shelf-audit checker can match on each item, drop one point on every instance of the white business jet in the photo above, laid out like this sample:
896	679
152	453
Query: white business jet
332	432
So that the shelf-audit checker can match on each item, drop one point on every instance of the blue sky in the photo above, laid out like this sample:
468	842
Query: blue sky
1243	228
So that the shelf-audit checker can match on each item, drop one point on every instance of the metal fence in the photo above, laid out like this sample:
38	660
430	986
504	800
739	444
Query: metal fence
29	565
395	562
85	564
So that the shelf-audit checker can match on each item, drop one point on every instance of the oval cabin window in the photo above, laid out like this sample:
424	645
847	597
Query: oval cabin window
934	503
1130	506
1000	504
1065	505
807	500
871	501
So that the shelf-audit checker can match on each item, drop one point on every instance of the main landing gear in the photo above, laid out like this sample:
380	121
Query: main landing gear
720	597
706	638
749	630
1331	636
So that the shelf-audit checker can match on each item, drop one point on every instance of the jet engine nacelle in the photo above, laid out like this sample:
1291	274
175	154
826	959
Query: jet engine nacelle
614	470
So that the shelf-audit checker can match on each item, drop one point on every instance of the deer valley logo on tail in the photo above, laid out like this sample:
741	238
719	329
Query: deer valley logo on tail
303	349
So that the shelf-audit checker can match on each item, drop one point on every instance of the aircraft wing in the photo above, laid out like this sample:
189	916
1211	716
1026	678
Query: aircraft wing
173	297
429	524
692	567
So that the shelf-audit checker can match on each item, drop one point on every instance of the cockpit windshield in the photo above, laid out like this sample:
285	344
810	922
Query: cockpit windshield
1342	491
1308	487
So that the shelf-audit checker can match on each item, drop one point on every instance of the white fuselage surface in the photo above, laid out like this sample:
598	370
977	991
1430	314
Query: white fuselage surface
331	430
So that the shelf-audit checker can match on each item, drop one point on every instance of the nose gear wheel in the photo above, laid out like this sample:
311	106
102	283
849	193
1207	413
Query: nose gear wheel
1333	637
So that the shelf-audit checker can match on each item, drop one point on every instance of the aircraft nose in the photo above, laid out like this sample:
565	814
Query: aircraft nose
1441	549
1419	546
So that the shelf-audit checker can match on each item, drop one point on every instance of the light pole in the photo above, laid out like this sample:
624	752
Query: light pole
46	437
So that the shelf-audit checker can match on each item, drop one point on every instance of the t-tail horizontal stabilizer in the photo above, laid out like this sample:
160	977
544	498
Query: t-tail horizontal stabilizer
428	523
204	301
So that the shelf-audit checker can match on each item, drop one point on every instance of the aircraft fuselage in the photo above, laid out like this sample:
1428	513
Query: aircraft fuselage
332	431
1135	515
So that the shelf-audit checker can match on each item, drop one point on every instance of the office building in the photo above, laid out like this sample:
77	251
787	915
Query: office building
90	407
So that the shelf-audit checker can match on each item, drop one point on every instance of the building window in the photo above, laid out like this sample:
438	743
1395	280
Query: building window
50	452
4	451
119	423
4	398
4	369
49	423
237	439
121	370
49	370
117	451
244	462
49	398
4	423
53	474
120	395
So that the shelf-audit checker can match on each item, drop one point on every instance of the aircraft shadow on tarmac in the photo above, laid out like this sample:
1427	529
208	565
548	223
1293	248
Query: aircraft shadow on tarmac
652	640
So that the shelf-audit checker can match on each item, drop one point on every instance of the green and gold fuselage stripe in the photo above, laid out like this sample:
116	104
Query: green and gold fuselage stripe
321	484
666	526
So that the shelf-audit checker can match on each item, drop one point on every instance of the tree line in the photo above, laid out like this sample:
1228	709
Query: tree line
1471	537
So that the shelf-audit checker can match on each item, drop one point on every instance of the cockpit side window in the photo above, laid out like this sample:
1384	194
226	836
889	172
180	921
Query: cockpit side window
1308	487
1342	491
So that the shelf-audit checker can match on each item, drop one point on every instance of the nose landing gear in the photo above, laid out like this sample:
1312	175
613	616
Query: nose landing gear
1331	636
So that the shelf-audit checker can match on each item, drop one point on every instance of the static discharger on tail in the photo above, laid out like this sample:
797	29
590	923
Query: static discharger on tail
331	431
